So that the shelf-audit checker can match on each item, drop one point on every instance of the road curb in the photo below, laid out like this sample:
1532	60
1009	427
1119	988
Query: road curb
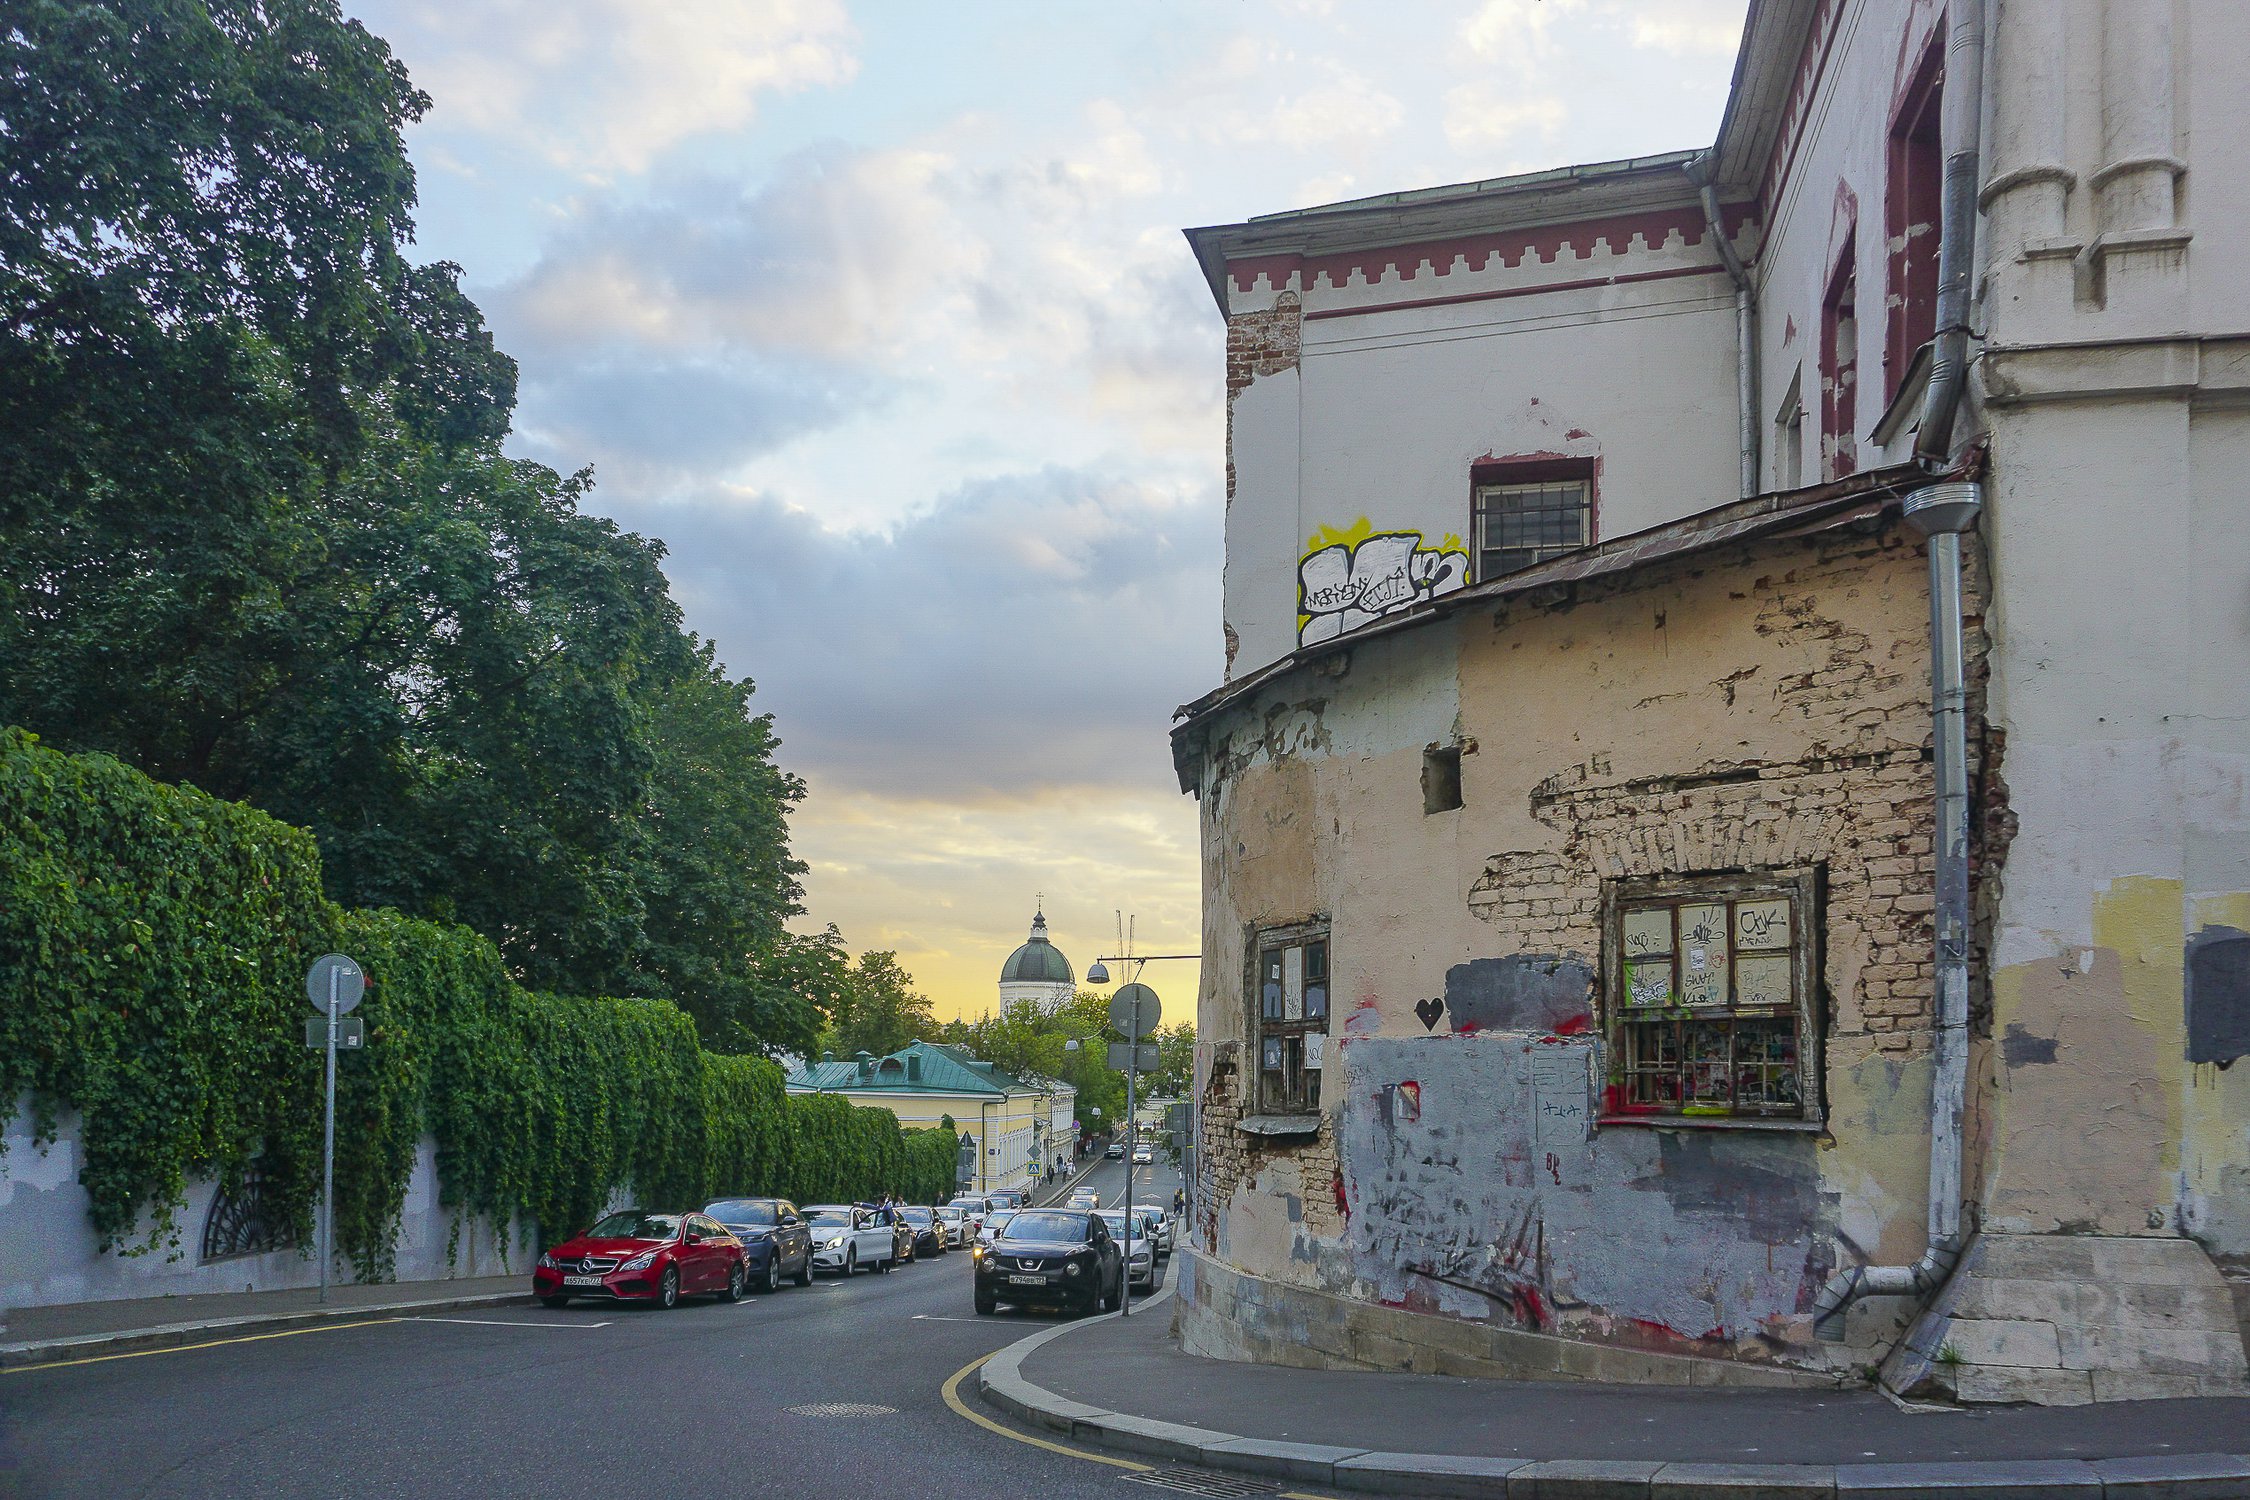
1001	1381
171	1335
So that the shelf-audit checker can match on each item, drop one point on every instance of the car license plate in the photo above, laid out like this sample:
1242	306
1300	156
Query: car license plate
582	1281
1027	1281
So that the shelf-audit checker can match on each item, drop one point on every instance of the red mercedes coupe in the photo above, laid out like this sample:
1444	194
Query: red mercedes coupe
633	1256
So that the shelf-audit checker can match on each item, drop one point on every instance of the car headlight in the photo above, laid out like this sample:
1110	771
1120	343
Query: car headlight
976	1252
1071	1269
547	1261
640	1262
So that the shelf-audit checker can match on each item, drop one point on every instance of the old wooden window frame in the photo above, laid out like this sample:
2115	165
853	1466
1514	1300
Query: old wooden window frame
1494	482
1648	1045
1287	1091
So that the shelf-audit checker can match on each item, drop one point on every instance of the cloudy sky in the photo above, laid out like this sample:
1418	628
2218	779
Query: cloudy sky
878	314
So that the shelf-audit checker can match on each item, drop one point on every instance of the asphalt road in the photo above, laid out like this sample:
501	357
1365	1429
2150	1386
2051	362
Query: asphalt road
591	1401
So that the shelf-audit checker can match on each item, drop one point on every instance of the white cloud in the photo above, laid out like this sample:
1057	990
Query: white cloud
1514	31
828	259
1032	632
1487	114
1687	28
605	86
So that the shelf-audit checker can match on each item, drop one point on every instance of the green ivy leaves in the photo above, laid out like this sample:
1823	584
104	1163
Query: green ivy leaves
153	942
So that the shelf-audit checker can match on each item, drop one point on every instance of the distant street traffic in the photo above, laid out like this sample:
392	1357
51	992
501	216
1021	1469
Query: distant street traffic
832	1390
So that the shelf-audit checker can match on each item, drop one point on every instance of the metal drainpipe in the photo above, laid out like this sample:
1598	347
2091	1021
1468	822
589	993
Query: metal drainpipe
1745	325
1942	512
1957	236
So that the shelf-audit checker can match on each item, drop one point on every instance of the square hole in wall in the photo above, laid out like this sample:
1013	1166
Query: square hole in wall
1441	779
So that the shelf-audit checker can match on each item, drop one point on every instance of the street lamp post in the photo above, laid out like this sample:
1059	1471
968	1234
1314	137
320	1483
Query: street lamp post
1099	974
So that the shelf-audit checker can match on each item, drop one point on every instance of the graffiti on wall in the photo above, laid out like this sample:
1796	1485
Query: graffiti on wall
1349	578
1476	1169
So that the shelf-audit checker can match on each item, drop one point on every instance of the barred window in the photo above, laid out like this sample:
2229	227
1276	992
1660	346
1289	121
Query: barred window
1521	523
1292	1029
1710	997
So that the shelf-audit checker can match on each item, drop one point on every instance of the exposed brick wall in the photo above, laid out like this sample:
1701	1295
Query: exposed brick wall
1860	806
1259	343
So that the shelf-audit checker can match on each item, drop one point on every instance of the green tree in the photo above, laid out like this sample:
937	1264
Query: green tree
262	537
1175	1062
879	1010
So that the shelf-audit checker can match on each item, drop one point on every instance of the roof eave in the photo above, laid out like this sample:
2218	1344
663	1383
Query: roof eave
1833	503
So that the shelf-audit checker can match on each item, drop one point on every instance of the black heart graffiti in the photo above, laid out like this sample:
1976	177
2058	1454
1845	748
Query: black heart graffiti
1429	1010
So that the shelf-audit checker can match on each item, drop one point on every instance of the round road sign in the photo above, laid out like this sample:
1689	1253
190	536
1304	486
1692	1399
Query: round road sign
1134	1010
350	981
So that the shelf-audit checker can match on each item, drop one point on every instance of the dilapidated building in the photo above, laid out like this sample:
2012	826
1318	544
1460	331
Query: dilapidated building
1726	836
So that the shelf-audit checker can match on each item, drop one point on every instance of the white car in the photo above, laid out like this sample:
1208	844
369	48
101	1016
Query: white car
1140	1251
1159	1230
959	1228
1142	1156
847	1239
994	1222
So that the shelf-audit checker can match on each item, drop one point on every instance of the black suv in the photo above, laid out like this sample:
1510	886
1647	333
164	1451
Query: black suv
1052	1257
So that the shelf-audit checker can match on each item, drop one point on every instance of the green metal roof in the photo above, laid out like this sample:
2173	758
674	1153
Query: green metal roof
1038	961
943	1070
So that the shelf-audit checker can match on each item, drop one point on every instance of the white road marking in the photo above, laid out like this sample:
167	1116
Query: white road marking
503	1323
935	1318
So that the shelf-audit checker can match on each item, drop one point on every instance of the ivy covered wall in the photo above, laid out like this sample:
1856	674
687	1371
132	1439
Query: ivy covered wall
153	945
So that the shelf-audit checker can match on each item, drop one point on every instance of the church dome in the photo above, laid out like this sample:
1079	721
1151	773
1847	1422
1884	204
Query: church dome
1038	961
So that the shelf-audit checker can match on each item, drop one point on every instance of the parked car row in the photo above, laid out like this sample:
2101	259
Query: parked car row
1080	1257
734	1246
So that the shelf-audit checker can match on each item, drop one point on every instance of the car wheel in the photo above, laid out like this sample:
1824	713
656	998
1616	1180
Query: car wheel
804	1272
773	1274
556	1302
851	1261
668	1288
737	1283
987	1304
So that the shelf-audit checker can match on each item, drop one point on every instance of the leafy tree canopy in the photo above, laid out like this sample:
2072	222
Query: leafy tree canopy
877	1009
261	536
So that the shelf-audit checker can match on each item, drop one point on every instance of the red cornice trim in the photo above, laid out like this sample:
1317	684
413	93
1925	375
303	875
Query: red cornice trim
1517	291
1812	63
1511	247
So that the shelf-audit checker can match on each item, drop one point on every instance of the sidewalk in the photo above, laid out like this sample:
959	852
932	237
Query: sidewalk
78	1330
1123	1384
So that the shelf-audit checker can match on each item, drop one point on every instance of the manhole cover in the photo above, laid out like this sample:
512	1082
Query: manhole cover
1201	1482
840	1409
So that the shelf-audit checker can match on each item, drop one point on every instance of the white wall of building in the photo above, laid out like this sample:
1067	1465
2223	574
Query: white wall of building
1406	381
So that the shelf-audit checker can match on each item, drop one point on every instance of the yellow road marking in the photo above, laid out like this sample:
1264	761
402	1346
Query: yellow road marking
248	1338
952	1394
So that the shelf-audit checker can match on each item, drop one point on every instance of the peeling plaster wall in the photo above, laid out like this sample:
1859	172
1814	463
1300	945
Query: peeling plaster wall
1761	706
2129	768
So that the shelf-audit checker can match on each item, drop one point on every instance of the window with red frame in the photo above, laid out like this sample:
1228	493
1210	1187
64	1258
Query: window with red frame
1912	203
1839	365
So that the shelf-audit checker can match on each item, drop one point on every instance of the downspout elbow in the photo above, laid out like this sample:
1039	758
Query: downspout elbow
1844	1288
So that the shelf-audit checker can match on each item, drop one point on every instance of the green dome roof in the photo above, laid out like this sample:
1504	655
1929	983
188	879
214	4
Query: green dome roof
1037	961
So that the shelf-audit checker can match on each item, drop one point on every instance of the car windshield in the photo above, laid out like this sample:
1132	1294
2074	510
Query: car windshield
829	1213
755	1212
1116	1222
916	1215
632	1224
999	1219
1046	1225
